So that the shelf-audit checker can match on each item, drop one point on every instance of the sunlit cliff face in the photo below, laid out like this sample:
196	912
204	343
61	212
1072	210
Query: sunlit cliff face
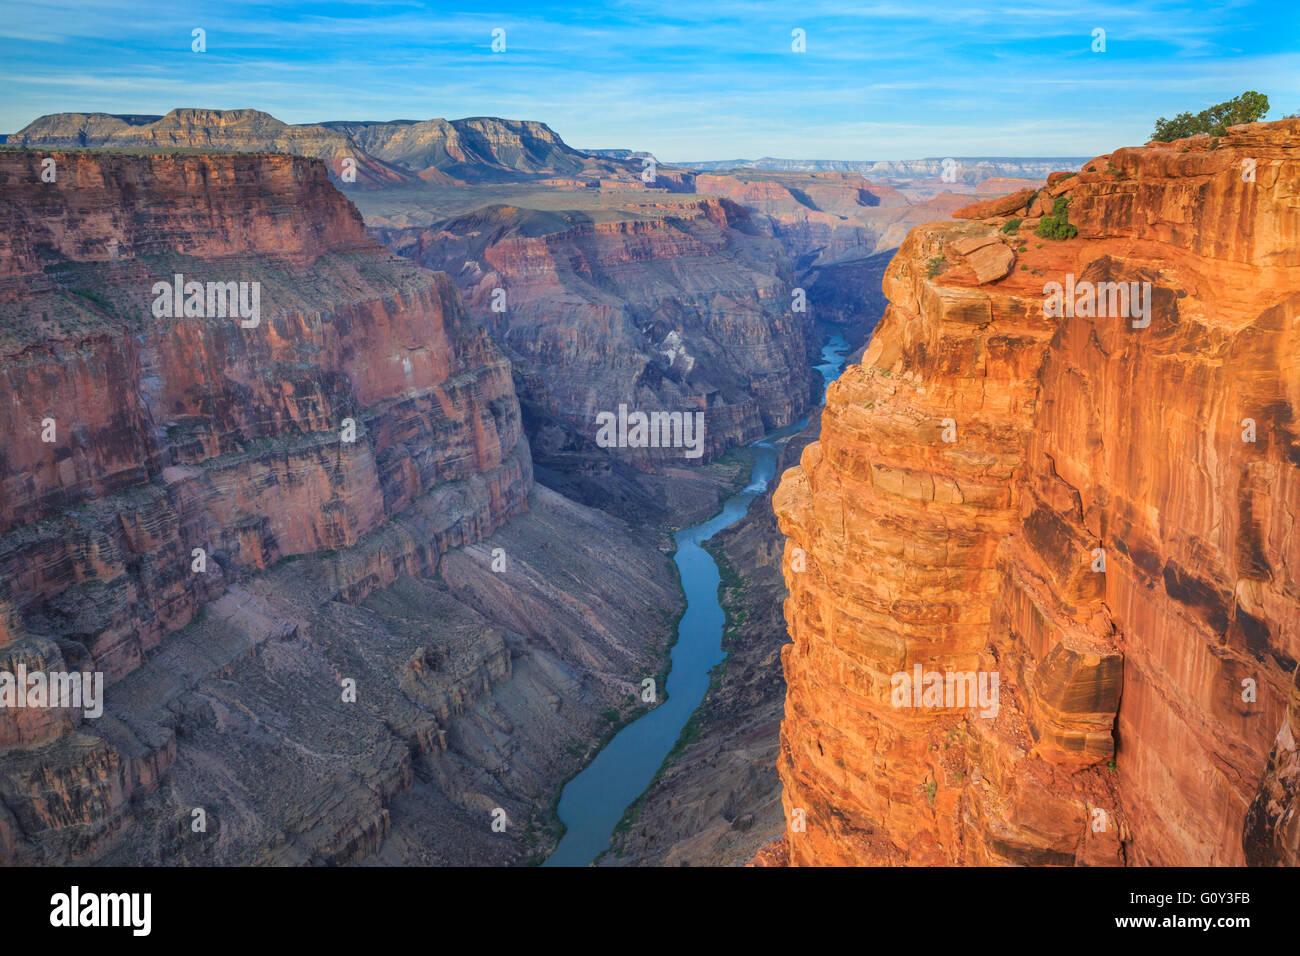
1097	507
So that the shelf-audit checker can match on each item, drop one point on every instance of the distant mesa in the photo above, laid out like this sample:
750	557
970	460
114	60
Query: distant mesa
484	149
478	149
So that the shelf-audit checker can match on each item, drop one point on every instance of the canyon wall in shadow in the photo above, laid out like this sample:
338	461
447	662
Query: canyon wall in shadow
336	619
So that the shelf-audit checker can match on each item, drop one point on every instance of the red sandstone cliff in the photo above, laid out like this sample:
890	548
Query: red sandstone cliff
1148	712
179	433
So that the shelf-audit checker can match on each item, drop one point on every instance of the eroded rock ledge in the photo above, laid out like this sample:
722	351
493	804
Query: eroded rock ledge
1148	712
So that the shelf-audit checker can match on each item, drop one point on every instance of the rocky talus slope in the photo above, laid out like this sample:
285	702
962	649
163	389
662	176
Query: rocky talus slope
234	517
1097	508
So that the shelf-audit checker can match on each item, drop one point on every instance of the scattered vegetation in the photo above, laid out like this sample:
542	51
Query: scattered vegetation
1057	225
1249	107
931	788
94	297
1011	225
934	267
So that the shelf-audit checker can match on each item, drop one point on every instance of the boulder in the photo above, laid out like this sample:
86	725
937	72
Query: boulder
965	246
1041	204
991	262
1064	186
1002	206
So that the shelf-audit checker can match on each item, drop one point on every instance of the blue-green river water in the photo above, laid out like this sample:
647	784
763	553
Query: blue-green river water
593	802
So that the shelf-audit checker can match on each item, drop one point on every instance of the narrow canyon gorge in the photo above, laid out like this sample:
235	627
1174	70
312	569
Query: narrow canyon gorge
366	587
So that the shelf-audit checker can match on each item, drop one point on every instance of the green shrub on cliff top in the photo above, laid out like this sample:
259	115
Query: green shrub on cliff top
1057	225
1249	107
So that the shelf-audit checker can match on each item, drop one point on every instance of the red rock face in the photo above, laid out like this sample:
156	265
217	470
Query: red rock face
110	220
972	476
170	434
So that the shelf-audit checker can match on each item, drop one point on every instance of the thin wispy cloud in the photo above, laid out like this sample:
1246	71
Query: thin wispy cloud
687	81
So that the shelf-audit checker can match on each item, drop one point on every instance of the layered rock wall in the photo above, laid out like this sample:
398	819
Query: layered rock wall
1094	504
137	438
156	461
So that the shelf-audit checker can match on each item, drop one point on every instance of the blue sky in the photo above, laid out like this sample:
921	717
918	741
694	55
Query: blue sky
686	79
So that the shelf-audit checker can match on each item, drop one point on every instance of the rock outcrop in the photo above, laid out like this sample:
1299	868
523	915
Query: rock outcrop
1092	504
1002	206
477	149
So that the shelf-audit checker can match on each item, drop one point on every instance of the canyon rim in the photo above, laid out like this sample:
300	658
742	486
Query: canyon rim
389	483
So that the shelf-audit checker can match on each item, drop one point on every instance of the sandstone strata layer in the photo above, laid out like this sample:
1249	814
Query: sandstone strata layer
1147	711
209	130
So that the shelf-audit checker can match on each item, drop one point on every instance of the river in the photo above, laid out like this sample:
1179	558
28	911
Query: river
593	802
